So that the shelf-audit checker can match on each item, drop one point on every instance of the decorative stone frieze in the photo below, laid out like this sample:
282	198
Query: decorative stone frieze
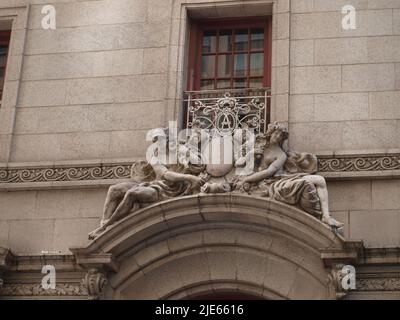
379	284
78	173
122	171
357	164
28	290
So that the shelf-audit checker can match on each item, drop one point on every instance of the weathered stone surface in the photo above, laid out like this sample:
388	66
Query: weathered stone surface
377	228
352	195
91	89
31	237
325	79
302	53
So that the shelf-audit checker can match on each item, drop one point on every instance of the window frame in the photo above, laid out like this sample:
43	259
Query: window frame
198	27
5	38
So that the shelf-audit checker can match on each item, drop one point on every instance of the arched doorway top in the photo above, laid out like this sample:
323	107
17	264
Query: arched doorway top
236	241
192	210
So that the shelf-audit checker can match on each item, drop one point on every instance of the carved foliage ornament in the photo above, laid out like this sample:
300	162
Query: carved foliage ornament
335	278
379	284
70	289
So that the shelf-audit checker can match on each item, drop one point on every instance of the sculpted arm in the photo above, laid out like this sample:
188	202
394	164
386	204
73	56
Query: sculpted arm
272	169
162	171
177	177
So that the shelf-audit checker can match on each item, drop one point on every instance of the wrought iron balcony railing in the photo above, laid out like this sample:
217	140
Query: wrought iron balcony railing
224	111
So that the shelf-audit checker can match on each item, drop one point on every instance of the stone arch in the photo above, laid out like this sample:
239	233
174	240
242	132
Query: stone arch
213	244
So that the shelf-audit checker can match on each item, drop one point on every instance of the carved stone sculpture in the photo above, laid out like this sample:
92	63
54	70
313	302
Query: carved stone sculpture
152	182
287	177
94	282
280	175
335	278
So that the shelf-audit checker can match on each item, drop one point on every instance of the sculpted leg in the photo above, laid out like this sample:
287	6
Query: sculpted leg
114	196
132	198
322	191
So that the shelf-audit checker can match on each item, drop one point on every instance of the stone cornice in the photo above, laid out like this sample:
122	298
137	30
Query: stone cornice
36	175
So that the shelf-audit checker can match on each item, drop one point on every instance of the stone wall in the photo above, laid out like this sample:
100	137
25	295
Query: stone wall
345	84
113	69
344	99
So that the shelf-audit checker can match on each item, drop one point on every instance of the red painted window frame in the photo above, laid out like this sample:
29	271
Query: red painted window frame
197	28
5	36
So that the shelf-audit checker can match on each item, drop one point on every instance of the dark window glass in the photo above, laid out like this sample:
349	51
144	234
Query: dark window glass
225	41
241	40
208	67
209	42
256	64
4	44
207	85
240	65
257	39
224	65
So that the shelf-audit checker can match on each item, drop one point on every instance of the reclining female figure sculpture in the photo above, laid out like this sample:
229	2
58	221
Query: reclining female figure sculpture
287	176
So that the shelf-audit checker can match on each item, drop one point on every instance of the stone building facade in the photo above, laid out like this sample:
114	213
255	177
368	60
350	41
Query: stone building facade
79	100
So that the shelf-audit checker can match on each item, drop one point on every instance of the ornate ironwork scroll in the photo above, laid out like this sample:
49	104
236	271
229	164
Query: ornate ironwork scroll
226	112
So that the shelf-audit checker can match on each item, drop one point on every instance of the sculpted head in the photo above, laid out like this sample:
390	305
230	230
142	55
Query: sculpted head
276	133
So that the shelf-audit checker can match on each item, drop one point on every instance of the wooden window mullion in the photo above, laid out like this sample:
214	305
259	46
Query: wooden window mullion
223	55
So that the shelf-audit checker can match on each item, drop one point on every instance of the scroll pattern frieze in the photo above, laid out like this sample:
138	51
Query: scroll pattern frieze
354	164
64	174
118	171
